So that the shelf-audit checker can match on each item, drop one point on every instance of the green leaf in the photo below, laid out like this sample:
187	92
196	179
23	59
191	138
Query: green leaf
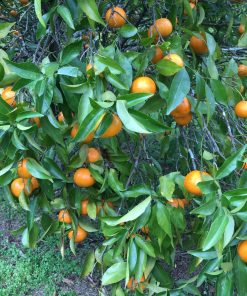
116	81
23	201
180	87
146	246
88	264
216	231
128	31
230	164
25	70
210	102
129	121
16	141
205	209
167	187
240	275
27	114
114	274
70	52
136	212
163	218
5	28
101	62
37	7
229	231
54	169
167	67
1	72
69	71
208	255
134	99
90	8
66	15
224	285
37	170
88	124
219	91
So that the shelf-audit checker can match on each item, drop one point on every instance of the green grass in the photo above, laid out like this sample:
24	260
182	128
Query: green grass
35	272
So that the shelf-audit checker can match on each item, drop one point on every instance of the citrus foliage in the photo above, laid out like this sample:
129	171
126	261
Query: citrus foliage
130	121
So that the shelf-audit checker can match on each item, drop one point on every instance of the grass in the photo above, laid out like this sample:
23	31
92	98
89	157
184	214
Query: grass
40	271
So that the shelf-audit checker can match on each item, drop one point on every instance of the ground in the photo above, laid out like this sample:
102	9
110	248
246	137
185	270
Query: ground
40	271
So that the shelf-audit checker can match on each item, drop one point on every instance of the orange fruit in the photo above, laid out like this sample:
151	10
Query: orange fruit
184	120
145	229
178	202
20	184
37	121
175	59
194	1
242	250
34	183
143	85
115	17
192	179
84	204
60	117
64	216
23	2
9	96
245	166
80	235
93	155
162	27
242	70
114	128
192	6
158	55
22	170
83	178
88	138
13	13
241	29
241	109
133	284
199	46
182	109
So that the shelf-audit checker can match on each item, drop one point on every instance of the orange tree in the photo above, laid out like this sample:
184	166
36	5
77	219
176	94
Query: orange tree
128	118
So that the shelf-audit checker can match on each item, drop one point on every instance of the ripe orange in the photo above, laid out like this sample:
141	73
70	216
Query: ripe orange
83	178
93	155
13	13
184	120
84	204
37	121
192	179
241	29
60	117
145	229
241	109
9	96
115	17
23	2
182	109
242	250
161	26
175	59
158	55
22	170
133	284
80	235
242	70
20	184
199	46
178	202
34	183
192	6
114	128
143	85
245	166
64	216
88	138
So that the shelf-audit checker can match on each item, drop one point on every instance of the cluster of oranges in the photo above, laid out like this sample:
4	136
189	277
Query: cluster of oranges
182	113
81	234
25	182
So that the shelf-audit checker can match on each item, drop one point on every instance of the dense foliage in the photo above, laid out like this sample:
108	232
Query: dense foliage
130	123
